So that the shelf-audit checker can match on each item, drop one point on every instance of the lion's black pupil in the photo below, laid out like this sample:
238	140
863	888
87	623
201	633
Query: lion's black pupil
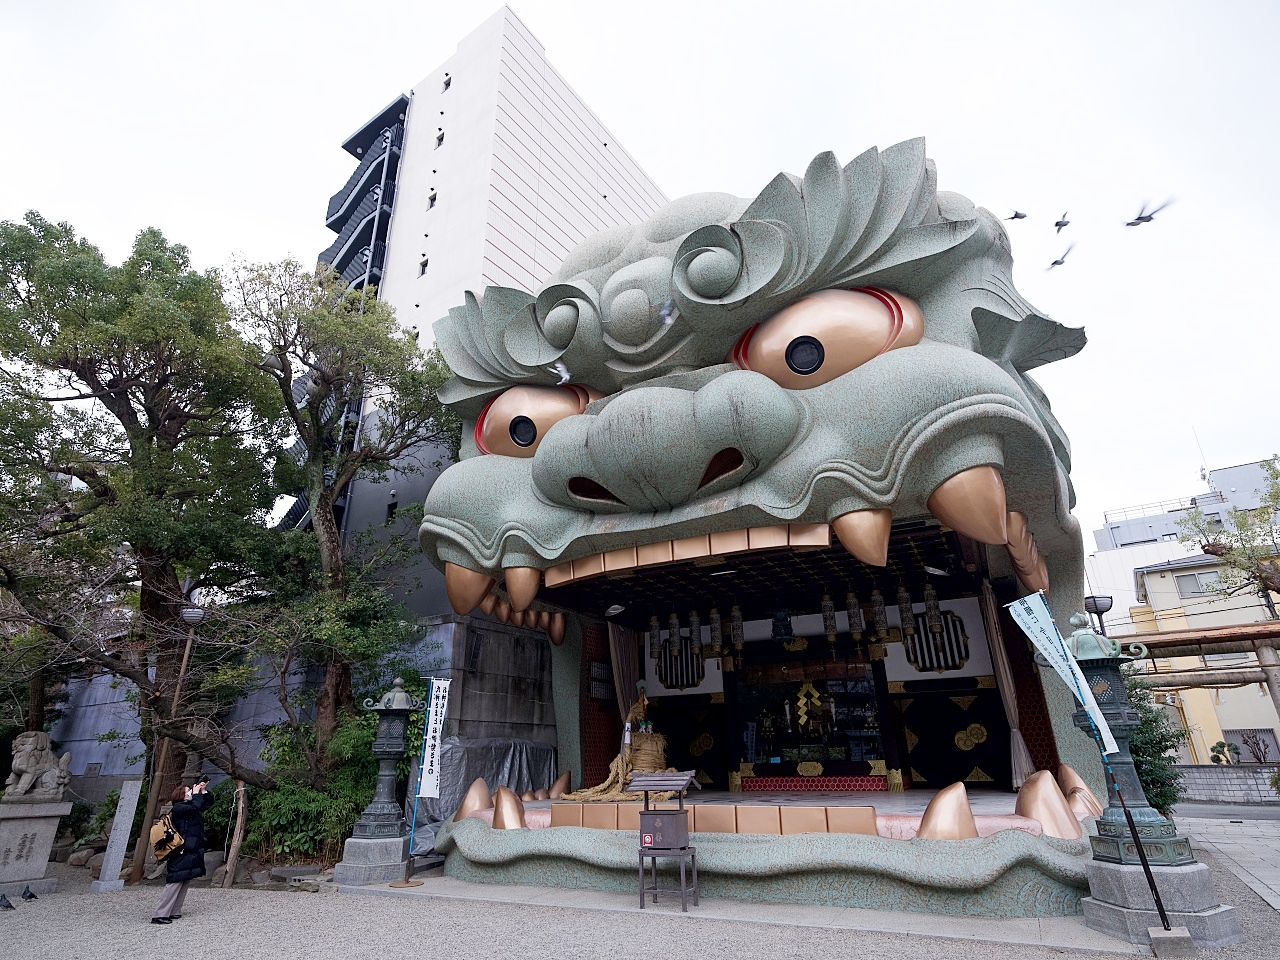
804	355
524	431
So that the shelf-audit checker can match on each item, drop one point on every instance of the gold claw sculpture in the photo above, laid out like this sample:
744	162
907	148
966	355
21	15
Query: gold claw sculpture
1083	801
1041	799
508	811
476	798
561	786
948	816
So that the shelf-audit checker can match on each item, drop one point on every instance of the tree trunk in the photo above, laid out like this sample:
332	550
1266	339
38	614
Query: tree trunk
329	539
237	835
334	700
335	697
36	703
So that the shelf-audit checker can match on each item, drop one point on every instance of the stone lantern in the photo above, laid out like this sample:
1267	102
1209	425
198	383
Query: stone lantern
379	844
1120	901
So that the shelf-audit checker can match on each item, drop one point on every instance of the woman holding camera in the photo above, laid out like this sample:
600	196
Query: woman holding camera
188	862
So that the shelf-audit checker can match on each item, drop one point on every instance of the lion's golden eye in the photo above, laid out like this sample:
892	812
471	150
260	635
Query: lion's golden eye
827	334
516	420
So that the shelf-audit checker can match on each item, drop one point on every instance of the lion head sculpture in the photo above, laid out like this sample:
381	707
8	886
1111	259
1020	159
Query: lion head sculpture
845	351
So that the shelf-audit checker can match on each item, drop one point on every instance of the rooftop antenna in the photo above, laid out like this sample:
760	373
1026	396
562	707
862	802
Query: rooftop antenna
1203	459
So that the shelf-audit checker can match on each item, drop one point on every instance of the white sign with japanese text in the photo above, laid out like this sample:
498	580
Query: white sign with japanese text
1033	616
437	707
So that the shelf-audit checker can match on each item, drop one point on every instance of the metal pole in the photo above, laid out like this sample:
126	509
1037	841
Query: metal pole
157	771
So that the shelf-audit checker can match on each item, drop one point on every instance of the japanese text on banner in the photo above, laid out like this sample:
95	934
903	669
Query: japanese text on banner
1033	616
429	776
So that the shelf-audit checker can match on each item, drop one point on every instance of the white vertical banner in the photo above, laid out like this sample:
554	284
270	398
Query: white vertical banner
437	707
1033	616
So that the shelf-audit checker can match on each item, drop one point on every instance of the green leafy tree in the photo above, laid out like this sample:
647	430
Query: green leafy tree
133	458
359	397
1154	747
1247	544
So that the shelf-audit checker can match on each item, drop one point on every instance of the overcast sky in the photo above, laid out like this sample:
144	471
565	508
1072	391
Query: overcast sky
221	124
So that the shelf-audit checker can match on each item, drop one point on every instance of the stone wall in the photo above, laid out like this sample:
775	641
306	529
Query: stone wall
502	682
1234	783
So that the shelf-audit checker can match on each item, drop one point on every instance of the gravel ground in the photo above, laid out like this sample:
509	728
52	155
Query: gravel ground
249	924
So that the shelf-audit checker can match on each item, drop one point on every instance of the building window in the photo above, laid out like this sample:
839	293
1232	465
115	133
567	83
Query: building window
422	267
1196	584
440	140
447	81
431	200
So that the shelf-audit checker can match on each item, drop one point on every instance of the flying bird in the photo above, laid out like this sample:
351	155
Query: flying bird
560	370
1145	216
1017	215
1062	259
1062	222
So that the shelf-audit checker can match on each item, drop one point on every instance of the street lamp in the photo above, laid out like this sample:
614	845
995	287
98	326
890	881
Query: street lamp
1098	606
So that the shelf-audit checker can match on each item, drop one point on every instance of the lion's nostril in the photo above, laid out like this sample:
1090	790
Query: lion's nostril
722	464
588	489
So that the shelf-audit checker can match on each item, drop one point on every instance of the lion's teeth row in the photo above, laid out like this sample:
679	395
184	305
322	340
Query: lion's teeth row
971	502
690	548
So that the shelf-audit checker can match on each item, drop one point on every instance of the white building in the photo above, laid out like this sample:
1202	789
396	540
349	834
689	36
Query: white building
1160	584
504	170
487	174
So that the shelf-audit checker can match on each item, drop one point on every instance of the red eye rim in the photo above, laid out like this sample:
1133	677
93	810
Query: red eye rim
739	353
895	312
477	434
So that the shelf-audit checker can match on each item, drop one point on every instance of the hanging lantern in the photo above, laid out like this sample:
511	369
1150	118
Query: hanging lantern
855	616
905	614
695	634
717	634
829	622
854	613
673	634
655	637
932	611
735	631
879	616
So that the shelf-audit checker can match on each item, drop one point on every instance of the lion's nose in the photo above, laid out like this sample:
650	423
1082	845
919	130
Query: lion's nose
656	448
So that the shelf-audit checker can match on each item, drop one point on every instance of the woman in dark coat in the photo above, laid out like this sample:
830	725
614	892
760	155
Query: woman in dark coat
184	866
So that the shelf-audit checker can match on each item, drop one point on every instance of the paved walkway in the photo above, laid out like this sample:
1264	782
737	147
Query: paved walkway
1060	933
1248	848
436	922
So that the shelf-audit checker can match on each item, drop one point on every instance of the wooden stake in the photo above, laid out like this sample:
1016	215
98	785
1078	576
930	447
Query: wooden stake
237	835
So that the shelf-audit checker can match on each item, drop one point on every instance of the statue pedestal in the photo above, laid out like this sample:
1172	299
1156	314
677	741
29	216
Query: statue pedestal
1120	903
372	860
27	832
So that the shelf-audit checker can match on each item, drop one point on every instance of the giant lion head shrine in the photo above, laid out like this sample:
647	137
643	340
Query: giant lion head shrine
769	470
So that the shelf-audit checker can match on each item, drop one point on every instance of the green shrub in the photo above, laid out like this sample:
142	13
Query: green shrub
75	822
1152	746
1223	752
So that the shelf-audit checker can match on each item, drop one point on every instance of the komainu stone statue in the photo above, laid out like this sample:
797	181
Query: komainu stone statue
38	776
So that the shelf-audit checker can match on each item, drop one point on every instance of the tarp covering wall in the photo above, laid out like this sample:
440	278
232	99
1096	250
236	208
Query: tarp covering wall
502	761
